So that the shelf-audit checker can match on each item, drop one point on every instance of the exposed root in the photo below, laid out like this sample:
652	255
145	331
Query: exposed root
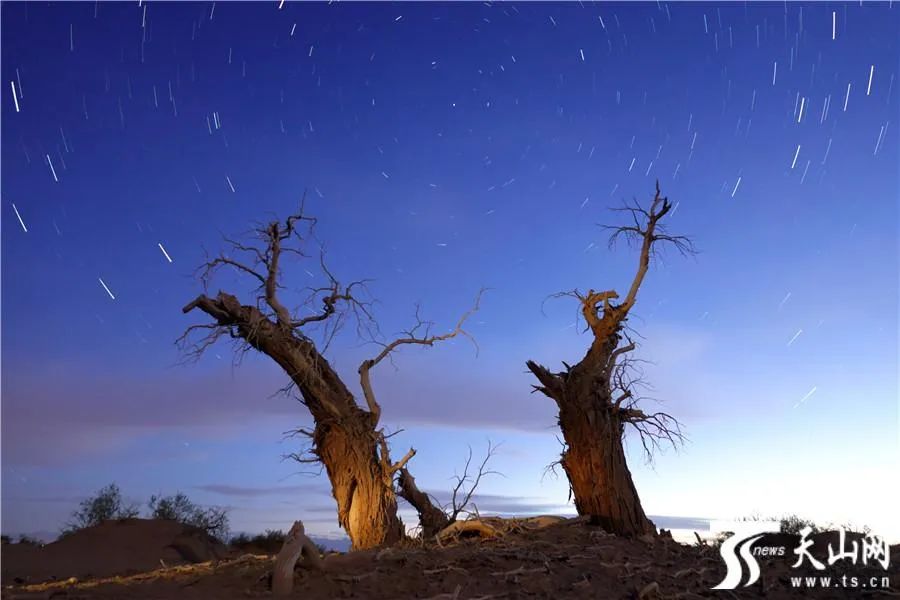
354	578
295	544
651	590
446	569
470	526
169	573
522	571
691	571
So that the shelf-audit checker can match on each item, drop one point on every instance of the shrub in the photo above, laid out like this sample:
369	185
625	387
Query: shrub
213	520
793	524
270	541
107	504
30	541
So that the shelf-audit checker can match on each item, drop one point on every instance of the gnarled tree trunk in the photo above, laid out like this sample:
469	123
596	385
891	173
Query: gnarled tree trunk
346	438
597	399
595	465
431	518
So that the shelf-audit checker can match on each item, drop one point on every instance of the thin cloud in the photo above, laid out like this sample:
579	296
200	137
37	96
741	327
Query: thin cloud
256	492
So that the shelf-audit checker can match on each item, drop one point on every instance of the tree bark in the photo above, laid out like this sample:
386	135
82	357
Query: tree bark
594	458
361	484
598	473
592	421
431	518
344	437
295	544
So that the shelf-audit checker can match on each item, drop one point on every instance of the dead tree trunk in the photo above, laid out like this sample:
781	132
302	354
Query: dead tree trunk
295	544
431	518
597	397
434	519
346	438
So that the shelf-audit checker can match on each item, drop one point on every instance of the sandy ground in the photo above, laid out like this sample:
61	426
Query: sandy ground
564	560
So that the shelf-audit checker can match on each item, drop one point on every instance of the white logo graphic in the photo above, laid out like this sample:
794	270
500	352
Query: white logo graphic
729	551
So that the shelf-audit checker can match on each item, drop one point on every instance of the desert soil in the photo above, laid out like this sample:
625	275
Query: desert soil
568	559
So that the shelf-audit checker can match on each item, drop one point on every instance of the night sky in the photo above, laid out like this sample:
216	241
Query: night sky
446	147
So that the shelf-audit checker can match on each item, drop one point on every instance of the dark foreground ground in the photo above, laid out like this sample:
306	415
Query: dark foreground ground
564	560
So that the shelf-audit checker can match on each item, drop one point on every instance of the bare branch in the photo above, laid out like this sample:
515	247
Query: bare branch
617	353
552	384
210	267
401	464
431	518
646	228
193	350
457	506
412	337
331	296
654	429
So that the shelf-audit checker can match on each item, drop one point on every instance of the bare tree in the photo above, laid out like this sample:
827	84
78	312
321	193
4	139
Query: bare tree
346	438
598	397
434	519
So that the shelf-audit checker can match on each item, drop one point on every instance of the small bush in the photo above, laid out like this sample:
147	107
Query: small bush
107	504
793	524
30	541
270	541
213	520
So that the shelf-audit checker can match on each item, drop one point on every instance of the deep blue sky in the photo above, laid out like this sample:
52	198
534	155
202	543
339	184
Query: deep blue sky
448	147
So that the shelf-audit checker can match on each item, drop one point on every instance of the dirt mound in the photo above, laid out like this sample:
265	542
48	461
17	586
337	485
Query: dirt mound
561	560
121	547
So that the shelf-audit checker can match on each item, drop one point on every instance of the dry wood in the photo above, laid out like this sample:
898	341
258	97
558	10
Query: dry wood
651	590
346	438
597	397
295	544
690	571
446	569
354	578
469	526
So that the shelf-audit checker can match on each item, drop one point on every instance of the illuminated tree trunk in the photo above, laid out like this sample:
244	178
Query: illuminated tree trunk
344	438
594	462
